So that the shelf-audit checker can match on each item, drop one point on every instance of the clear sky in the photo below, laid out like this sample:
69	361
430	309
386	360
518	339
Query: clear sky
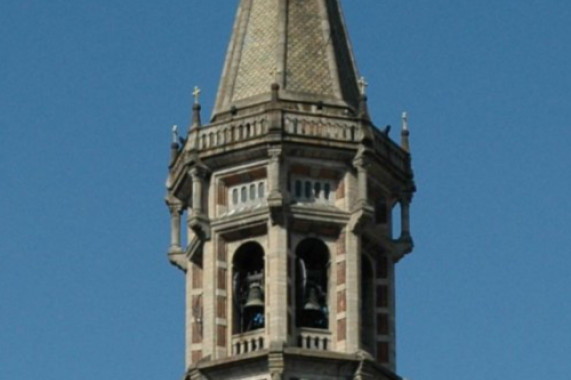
89	90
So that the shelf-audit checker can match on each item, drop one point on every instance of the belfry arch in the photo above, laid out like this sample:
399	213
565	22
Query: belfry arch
312	284
248	288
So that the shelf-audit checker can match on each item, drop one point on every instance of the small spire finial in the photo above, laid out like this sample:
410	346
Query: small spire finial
196	94
405	121
405	133
174	145
363	86
175	134
196	108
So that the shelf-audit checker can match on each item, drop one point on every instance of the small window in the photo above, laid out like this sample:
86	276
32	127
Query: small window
252	192
298	189
307	189
244	194
261	190
235	196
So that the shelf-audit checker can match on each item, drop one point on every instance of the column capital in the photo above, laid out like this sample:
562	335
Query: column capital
175	208
405	198
275	153
198	172
362	160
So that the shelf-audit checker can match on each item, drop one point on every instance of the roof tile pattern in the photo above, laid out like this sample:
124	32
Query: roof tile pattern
258	59
307	68
302	45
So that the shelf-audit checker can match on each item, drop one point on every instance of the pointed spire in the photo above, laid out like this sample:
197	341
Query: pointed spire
405	133
302	45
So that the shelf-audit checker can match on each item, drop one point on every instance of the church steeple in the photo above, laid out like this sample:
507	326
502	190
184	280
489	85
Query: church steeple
302	45
290	199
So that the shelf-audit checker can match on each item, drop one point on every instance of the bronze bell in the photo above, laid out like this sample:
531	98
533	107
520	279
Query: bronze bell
312	301
255	296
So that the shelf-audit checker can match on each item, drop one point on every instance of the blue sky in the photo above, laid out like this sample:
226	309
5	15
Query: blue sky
89	90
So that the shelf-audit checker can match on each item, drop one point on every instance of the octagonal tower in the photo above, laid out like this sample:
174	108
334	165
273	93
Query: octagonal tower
290	198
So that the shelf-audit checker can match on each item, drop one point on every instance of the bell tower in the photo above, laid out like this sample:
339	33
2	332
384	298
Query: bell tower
294	205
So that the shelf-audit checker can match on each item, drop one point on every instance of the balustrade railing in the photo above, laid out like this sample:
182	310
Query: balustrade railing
219	135
248	342
336	129
314	339
314	126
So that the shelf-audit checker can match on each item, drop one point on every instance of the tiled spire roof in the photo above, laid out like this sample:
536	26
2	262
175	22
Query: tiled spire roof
300	44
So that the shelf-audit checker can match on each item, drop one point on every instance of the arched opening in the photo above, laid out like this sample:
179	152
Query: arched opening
367	305
312	284
248	288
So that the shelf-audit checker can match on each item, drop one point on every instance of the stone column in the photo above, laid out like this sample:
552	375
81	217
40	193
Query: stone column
362	181
405	216
197	184
277	279
175	211
360	164
274	174
353	282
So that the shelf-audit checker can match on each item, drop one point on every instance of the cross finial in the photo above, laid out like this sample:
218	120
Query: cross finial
405	122
196	94
175	134
363	85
